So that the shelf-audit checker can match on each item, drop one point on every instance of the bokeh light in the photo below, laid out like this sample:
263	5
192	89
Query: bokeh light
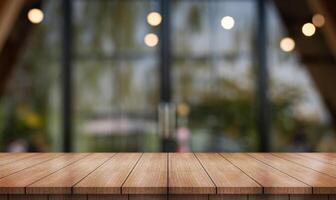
35	15
227	22
318	20
151	39
154	18
308	29
287	44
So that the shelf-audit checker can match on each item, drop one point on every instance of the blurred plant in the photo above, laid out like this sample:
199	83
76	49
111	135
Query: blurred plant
234	116
231	115
25	104
291	128
29	118
23	123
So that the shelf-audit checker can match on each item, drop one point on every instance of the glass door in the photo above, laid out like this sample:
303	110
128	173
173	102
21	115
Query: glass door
120	80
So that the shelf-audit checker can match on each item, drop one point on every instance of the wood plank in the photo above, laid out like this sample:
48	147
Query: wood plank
188	197
109	178
67	197
27	197
187	176
62	181
328	30
321	183
25	163
272	180
228	197
8	15
149	175
321	157
308	197
192	175
314	164
12	157
268	197
332	154
332	197
147	197
107	197
228	178
11	185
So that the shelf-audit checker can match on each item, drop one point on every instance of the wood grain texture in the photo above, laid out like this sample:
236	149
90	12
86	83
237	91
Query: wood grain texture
13	167
228	197
6	158
107	197
62	181
327	158
108	178
320	182
228	178
268	197
147	197
187	176
11	185
67	197
149	175
309	197
188	197
311	163
27	197
3	197
273	181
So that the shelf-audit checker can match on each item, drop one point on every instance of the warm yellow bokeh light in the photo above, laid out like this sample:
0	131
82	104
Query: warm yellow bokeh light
151	39
35	15
318	20
154	18
308	29
183	109
228	22
287	44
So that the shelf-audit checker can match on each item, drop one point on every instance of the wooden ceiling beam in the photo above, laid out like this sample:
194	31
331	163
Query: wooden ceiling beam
9	12
13	45
329	28
324	79
318	53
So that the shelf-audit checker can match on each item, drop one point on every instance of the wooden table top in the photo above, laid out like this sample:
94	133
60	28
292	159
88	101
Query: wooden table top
163	173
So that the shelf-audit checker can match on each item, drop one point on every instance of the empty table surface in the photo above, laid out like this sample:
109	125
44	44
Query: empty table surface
168	173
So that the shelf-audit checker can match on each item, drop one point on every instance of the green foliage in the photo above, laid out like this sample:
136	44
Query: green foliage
234	116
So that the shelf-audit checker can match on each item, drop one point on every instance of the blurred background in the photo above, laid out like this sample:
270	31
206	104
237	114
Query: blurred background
167	75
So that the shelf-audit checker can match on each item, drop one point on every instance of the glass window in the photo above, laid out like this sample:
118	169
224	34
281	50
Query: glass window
30	105
300	121
116	76
213	76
